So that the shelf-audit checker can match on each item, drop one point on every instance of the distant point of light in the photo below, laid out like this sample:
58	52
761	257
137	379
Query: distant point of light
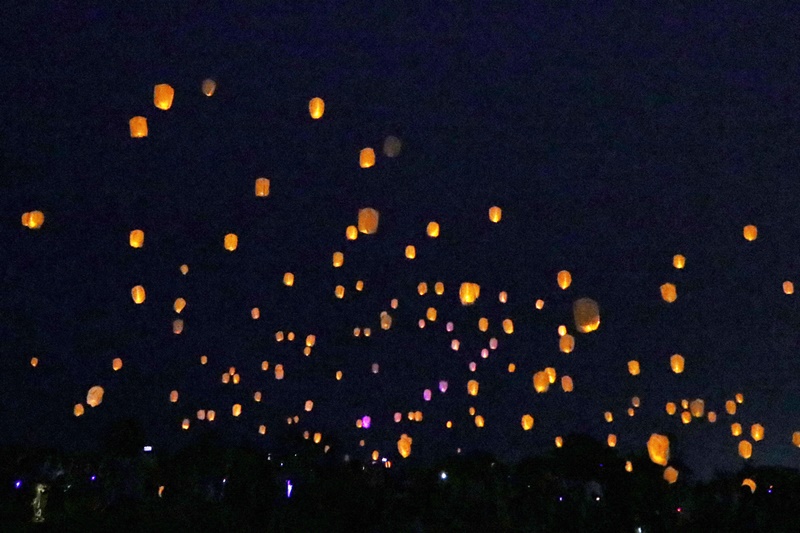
224	480
148	448
561	498
18	484
289	487
94	478
679	509
443	475
597	498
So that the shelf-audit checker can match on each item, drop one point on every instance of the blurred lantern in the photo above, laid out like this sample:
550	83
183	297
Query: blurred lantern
551	374
668	292
366	158
636	401
670	475
184	269
562	330
311	340
426	395
138	294
262	187
78	409
736	429
508	326
566	343
430	314
678	261
255	313
236	410
608	416
386	320
495	214
231	241
394	303
468	293
376	368
566	383
750	233
541	382
309	405
612	440
796	438
539	304
750	484
503	297
288	279
631	412
351	233
433	229
512	368
163	94
658	448
316	108
138	126
586	313
317	438
208	87
483	324
338	259
712	416
422	288
201	414
33	219
739	397
559	442
686	417
185	424
392	146
527	422
136	238
338	375
788	287
671	408
368	220
628	466
697	408
404	445
34	361
438	288
411	252
262	429
757	432
633	367
257	396
730	407
178	305
95	396
472	387
116	364
173	396
279	336
278	371
338	291
564	279
177	326
479	422
745	449
676	363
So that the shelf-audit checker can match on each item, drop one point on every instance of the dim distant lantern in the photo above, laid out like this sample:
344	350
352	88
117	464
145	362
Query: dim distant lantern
211	415
628	466
540	304
564	279
185	424
136	238
745	449
636	401
495	214
177	326
669	293
670	475
290	336
311	340
430	314
633	367
551	374
479	421
278	371
78	409
138	294
678	261
472	387
796	438
279	336
255	313
309	406
750	484
512	368
730	407
262	429
712	416
541	382
658	448
138	126
788	287
179	304
559	442
757	432
338	259
686	417
422	288
163	94
433	229
386	321
631	412
411	252
508	326
95	396
173	396
231	241
33	219
184	269
736	429
503	297
609	416
265	365
368	220
34	361
262	187
288	279
676	363
586	313
750	233
208	87
566	343
201	414
671	408
404	445
116	364
468	293
366	158
392	146
438	288
236	410
566	384
739	397
339	291
612	440
394	303
685	403
483	324
527	422
697	408
257	396
316	108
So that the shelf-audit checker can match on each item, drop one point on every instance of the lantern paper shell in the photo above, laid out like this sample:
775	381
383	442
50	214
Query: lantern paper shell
468	293
564	279
138	294
316	108
368	221
138	127
262	187
208	87
366	158
586	313
163	95
669	293
658	448
95	396
750	232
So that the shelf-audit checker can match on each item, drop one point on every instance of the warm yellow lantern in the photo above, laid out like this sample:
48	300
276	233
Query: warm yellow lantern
483	324
495	214
566	384
541	382
438	288
422	288
566	343
78	409
262	187
386	321
138	294
508	326
366	158
368	220
338	375
628	466
527	422
138	126
95	396
231	242
551	374
33	219
559	442
185	424
564	279
179	305
757	432
750	233
257	396
730	407
750	484
796	438
671	408
670	475
676	363
479	421
658	448
317	437
712	416
468	293
288	279
236	410
609	416
404	445
736	429
611	440
431	314
562	330
745	449
338	291
512	368
309	405
633	367
636	402
34	361
686	417
411	252
255	313
472	387
278	371
316	108
184	269
136	238
338	259
669	293
586	313
788	287
739	397
208	87
433	229
678	261
539	304
116	364
163	94
173	396
697	408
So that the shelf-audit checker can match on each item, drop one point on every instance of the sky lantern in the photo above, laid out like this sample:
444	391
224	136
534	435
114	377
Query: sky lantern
469	292
431	314
686	417
262	187
338	259
551	374
658	448
179	305
404	445
231	242
611	440
386	320
669	293
177	326
671	408
712	416
438	288
750	484
562	330
739	397
184	269
483	324
788	287
559	442
757	432
422	288
670	475
633	367
750	232
136	238
208	87
495	214
745	449
255	313
586	313
138	127
796	438
173	396
527	422
34	361
730	407
95	396
201	414
697	408
138	294
508	326
279	372
566	343
33	219
116	364
78	409
502	297
564	279
636	402
540	304
676	363
257	396
392	146
541	382
678	261
288	279
411	251
368	221
351	233
338	291
316	108
433	229
236	410
472	387
479	421
628	466
309	405
311	340
609	416
163	93
366	158
185	424
566	383
736	429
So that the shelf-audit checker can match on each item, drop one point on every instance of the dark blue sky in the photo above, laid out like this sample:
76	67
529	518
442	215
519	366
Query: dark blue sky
612	139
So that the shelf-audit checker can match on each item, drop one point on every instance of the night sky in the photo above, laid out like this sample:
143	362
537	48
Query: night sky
611	139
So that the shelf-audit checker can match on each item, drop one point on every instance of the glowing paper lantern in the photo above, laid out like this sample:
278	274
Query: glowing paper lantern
430	314
564	279
736	429
608	416
262	187
671	408
438	288
757	432
138	127
236	410
366	158
78	409
527	422
33	219
483	324
231	242
163	94
503	297
686	417
658	448
566	384
208	87
316	108
184	269
177	326
472	387
750	232
541	382
551	374
179	305
116	364
540	304
508	326
697	408
559	442
495	214
745	449
404	445
185	424
411	252
730	407
628	466
138	294
678	261
136	238
278	371
433	229
468	293
612	440
173	396
586	313
368	220
788	287
255	313
669	293
750	484
566	343
34	361
479	421
796	438
739	397
309	405
95	396
633	367
676	363
670	475
288	279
